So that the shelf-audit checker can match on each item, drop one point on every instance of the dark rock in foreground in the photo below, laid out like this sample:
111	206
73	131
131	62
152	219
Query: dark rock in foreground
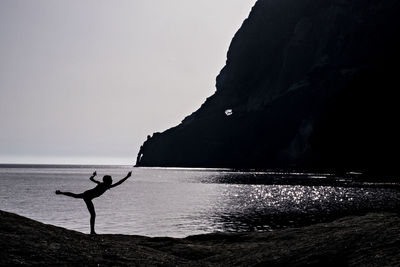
307	84
370	240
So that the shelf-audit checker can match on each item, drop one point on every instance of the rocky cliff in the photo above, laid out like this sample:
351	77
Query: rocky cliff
307	84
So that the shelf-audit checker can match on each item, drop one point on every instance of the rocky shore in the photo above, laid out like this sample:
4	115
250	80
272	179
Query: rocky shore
369	240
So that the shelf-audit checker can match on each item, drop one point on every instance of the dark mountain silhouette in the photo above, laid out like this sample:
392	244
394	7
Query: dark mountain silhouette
307	84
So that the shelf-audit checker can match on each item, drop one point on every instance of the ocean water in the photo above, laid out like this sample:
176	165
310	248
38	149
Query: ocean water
181	202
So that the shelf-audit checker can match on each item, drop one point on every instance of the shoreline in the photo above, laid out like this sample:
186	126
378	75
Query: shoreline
370	239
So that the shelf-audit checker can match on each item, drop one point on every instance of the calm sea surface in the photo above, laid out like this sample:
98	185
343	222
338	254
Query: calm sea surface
180	202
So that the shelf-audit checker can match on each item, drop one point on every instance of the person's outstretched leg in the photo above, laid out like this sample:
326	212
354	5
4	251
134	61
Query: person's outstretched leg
92	212
69	194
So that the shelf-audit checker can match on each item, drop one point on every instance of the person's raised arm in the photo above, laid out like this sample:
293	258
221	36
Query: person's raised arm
92	178
122	180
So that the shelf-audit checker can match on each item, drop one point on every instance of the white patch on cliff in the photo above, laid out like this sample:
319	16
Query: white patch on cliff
228	112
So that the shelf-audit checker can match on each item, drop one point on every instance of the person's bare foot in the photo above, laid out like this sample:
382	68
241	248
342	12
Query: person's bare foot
58	192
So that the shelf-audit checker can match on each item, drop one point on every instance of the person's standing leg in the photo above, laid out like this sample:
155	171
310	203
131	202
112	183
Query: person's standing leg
92	212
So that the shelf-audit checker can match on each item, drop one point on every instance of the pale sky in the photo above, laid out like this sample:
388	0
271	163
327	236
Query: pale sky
87	81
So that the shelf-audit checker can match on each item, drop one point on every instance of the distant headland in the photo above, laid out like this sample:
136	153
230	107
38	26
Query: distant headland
307	85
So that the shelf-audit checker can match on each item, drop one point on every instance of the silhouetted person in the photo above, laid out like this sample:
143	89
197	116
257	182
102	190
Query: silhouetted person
88	195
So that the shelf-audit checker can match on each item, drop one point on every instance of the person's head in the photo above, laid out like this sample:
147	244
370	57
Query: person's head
107	179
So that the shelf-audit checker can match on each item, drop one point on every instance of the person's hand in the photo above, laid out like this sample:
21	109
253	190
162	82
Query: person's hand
94	174
129	174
